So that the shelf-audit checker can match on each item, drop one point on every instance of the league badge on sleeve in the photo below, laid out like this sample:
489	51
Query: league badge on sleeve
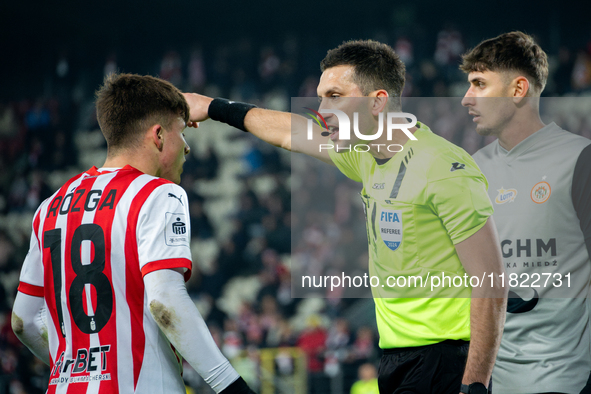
391	228
176	233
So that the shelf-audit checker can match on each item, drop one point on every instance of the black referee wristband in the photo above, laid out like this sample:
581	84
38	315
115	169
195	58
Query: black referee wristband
230	112
238	387
475	388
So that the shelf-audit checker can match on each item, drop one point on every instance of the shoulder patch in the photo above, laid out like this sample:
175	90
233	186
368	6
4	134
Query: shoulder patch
176	232
457	166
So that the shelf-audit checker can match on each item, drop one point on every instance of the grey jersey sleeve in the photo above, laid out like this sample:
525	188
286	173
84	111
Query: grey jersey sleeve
581	193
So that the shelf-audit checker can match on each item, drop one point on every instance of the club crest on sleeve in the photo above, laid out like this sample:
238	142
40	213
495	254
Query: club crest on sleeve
176	232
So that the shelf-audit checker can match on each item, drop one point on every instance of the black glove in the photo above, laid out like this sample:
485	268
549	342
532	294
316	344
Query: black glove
238	387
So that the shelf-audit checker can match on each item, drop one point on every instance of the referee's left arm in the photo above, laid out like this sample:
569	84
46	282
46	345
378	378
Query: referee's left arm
480	256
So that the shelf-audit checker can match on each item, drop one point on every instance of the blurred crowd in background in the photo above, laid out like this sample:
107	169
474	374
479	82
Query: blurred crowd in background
244	197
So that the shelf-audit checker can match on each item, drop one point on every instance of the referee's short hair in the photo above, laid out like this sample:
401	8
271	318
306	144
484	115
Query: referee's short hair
128	104
376	65
514	51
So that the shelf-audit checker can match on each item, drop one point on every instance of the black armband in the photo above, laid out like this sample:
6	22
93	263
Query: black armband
238	387
581	195
230	112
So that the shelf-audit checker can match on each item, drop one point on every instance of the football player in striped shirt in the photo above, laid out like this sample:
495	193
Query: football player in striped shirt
102	297
539	178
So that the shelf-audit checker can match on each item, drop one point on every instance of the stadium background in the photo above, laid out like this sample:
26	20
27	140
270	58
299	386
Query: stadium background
54	57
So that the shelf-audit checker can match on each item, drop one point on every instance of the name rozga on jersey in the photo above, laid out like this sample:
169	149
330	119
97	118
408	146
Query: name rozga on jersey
526	248
73	202
86	361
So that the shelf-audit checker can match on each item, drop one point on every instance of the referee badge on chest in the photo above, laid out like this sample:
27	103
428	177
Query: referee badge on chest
391	228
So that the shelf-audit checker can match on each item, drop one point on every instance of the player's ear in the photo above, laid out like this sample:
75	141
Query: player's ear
520	88
156	135
380	101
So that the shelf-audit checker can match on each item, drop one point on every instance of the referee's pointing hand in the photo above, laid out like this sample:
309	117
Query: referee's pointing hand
198	106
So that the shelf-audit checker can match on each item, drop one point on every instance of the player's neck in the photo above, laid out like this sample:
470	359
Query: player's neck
137	160
518	129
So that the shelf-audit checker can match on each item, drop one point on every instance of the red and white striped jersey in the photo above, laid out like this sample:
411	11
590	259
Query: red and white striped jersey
92	242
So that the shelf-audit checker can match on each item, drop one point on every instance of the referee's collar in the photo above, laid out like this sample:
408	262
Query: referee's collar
420	127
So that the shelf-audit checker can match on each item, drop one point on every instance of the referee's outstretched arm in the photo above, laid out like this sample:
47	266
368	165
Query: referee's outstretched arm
273	127
480	255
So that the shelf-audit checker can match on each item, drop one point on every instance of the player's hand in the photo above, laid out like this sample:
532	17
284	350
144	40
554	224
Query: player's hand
198	106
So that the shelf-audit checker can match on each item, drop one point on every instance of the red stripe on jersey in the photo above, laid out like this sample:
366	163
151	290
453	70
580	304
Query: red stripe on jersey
169	264
94	171
135	284
32	290
50	297
104	218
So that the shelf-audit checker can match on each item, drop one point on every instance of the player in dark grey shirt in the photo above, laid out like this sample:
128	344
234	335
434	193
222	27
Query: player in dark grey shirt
540	184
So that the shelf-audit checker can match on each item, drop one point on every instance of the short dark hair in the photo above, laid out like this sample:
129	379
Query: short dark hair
514	51
128	104
376	65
